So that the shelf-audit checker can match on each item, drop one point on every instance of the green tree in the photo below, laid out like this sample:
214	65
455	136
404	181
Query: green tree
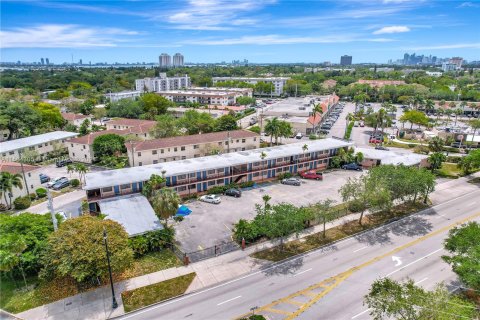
323	211
285	130
317	112
19	119
84	127
282	220
154	183
245	100
435	160
226	123
414	117
475	125
11	248
154	105
470	162
108	145
81	169
50	115
263	155
124	108
165	202
195	122
436	144
8	182
272	128
165	127
77	249
464	253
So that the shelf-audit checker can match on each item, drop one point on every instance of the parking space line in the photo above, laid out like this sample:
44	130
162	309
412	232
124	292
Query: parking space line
361	249
358	315
418	282
219	304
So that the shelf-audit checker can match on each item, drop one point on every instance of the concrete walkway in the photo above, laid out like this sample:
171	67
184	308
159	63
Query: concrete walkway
96	304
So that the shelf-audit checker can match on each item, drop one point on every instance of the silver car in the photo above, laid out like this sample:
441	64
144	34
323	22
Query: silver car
211	198
291	181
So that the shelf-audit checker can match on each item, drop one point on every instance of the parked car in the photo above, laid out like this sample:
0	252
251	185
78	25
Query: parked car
312	174
375	140
232	192
61	184
55	181
44	178
299	135
352	166
291	181
381	148
63	163
211	198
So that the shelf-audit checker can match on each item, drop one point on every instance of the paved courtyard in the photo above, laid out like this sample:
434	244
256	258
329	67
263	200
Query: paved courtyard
210	224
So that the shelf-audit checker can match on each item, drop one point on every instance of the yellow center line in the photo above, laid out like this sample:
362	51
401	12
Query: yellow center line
325	284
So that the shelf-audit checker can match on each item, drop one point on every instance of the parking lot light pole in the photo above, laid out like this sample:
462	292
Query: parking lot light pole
114	301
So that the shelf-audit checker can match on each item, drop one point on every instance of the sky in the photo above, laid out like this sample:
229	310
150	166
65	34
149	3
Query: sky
262	31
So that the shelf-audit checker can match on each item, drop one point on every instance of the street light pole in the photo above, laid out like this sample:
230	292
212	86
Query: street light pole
114	301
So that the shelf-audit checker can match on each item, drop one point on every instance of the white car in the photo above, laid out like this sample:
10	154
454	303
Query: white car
211	198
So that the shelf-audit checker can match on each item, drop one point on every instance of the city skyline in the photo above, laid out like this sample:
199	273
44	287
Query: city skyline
260	31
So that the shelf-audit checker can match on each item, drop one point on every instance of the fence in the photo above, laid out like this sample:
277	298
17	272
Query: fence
214	251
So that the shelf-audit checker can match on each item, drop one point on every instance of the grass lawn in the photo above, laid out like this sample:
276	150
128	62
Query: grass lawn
145	296
395	144
450	170
317	240
39	293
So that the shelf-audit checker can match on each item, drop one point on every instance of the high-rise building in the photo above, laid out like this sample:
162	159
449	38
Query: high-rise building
346	60
162	83
42	61
178	60
456	61
165	61
47	61
80	62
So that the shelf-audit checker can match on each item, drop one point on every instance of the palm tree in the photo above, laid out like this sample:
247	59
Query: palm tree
457	112
9	181
285	130
263	155
429	105
81	169
317	109
475	124
272	128
165	203
265	199
304	148
70	169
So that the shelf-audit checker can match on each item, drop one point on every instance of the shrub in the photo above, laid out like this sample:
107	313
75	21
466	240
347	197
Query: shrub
32	196
355	206
21	203
190	196
75	183
152	241
313	137
255	129
217	189
285	175
3	207
452	159
246	184
41	192
349	130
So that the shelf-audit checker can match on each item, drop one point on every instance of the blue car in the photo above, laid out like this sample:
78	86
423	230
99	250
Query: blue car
44	178
352	166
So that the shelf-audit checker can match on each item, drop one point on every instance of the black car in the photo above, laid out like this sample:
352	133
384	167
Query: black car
381	148
352	166
237	193
63	163
61	184
44	178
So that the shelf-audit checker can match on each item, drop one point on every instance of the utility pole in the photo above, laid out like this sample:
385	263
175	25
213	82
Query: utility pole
133	153
114	301
228	141
23	173
52	212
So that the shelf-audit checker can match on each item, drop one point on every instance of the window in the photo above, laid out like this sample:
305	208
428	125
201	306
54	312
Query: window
256	164
192	175
73	154
243	149
175	149
256	174
238	140
29	174
154	151
155	161
71	144
220	181
46	144
161	151
220	143
182	148
195	146
286	159
196	155
39	146
181	176
243	140
140	164
307	154
192	186
125	186
107	189
211	183
85	156
84	147
254	138
139	154
184	157
211	171
182	188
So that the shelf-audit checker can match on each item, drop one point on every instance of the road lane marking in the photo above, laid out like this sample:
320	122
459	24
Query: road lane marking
413	262
219	304
418	282
277	311
361	249
398	261
363	312
299	273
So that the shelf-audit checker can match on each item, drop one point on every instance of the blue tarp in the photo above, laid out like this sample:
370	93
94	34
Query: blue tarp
183	211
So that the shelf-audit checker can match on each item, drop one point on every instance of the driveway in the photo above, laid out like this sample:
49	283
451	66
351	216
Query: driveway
210	224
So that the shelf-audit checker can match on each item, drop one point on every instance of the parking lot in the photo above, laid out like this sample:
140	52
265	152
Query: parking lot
211	224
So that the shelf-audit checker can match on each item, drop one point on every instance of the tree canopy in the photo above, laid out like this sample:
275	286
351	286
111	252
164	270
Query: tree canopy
108	145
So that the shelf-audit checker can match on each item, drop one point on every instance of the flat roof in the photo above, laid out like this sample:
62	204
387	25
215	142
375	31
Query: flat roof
252	78
101	179
133	212
16	144
395	157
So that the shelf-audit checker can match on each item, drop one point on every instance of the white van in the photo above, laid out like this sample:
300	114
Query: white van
299	135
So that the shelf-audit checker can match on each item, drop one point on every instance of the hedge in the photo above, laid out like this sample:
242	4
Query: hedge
222	189
22	203
41	192
348	133
75	182
152	241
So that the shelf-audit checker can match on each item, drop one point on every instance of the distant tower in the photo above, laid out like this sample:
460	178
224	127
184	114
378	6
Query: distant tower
80	62
42	61
47	61
346	60
165	61
177	60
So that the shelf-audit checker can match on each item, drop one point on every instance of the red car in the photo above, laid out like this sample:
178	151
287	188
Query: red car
312	174
375	140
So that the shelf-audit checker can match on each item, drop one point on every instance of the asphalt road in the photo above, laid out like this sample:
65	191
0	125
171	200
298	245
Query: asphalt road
330	283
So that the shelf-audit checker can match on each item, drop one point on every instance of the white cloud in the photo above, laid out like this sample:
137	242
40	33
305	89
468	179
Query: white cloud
63	36
392	29
468	5
475	45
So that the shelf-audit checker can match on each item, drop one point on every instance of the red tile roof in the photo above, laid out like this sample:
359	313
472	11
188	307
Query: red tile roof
130	122
143	128
73	116
191	139
89	138
317	119
16	167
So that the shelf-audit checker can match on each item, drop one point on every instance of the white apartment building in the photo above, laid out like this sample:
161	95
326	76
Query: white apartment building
162	83
115	96
446	67
192	146
210	96
40	145
278	82
178	60
138	128
30	174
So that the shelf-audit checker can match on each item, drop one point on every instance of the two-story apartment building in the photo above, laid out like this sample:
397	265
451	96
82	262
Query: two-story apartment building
197	175
39	146
138	128
191	146
75	118
30	179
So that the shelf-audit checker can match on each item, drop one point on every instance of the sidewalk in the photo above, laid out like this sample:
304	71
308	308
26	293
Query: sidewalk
57	201
96	304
